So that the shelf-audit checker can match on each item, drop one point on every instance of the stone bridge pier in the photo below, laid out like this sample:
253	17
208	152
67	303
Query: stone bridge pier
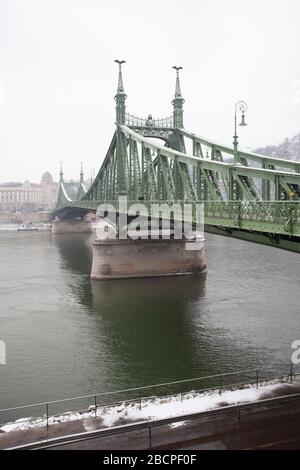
72	226
115	258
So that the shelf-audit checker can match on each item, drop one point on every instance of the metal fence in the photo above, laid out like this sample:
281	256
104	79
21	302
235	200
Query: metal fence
97	404
145	428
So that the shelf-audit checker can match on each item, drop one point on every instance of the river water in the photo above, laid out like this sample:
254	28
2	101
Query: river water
67	336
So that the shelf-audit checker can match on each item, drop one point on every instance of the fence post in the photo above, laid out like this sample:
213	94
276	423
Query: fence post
291	372
257	379
140	399
95	403
47	417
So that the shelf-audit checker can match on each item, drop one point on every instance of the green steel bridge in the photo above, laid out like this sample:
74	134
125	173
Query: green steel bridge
245	195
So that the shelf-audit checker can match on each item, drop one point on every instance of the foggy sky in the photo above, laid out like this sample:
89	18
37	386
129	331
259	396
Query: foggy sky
58	78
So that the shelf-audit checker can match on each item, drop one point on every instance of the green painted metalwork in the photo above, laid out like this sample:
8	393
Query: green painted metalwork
81	188
177	103
251	195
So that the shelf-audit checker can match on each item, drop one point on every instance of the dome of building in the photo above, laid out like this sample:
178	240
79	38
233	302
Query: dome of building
47	178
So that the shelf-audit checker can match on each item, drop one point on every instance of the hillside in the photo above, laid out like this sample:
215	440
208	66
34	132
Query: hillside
288	149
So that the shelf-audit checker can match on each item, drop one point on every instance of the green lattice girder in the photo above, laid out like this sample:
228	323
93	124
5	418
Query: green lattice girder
217	167
248	156
281	218
160	169
63	200
147	171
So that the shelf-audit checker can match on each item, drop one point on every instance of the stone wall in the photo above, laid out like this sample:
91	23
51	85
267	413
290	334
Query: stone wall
72	226
117	259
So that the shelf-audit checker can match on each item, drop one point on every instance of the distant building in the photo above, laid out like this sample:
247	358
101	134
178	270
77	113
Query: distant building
26	197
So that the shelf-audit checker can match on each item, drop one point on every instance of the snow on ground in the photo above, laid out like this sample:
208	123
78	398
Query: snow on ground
155	408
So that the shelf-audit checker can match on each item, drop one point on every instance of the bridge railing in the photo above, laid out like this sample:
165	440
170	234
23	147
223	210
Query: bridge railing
280	217
275	212
131	120
278	211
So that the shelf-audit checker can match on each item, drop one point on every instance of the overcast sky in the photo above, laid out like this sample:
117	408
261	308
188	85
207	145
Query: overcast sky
58	78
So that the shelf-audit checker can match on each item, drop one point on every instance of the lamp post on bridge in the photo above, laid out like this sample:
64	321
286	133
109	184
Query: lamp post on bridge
242	107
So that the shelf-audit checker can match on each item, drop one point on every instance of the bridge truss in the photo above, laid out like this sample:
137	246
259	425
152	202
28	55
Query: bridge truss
247	196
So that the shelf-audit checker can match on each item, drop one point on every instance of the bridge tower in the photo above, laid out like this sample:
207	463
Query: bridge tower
121	146
61	174
153	255
177	102
75	222
120	96
81	188
81	174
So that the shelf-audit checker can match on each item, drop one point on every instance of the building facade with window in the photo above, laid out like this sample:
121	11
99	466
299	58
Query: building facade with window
27	197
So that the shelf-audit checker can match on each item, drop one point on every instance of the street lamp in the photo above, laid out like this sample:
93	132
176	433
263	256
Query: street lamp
241	107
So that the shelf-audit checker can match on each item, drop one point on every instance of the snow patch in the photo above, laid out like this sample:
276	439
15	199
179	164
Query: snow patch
152	409
177	425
